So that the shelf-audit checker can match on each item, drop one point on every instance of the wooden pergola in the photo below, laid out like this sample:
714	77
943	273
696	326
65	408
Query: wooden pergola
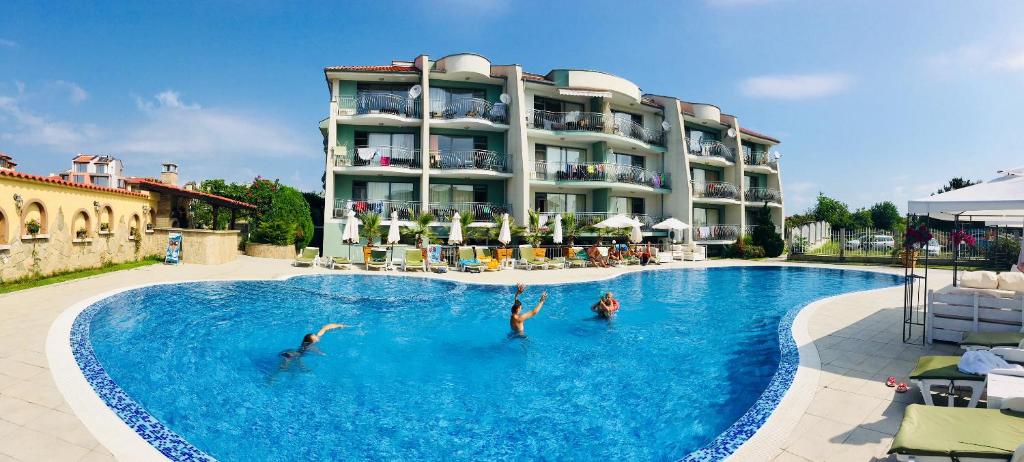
171	195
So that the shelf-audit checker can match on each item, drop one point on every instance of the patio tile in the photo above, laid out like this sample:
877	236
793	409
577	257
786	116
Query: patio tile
65	427
841	406
27	444
42	394
96	456
815	438
862	445
785	456
18	411
885	418
20	370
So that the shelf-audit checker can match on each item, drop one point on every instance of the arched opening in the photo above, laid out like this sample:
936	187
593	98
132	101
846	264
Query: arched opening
106	219
151	220
4	225
134	226
81	225
34	218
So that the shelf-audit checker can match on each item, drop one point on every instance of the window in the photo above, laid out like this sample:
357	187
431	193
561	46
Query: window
79	179
629	160
626	205
81	167
701	135
400	148
101	168
624	121
752	182
556	157
449	193
457	143
560	203
553	105
700	175
456	102
101	181
705	217
382	191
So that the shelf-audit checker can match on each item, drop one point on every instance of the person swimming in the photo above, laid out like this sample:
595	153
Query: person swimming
308	345
607	306
518	319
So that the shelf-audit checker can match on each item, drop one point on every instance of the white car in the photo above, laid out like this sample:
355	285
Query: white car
933	248
855	243
879	242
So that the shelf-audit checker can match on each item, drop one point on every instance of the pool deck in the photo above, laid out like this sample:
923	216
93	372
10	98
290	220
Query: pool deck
837	409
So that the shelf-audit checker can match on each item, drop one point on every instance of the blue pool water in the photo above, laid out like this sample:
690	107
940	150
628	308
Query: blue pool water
430	373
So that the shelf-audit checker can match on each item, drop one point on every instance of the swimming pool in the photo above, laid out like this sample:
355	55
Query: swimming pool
691	363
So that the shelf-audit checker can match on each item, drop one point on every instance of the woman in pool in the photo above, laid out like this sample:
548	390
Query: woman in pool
607	306
308	344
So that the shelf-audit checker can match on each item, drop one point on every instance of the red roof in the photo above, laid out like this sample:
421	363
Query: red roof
650	102
58	181
390	68
82	157
153	185
759	135
536	77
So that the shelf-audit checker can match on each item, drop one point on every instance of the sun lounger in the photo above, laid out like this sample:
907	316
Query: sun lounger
941	371
468	261
483	255
337	262
378	260
529	260
434	261
413	260
988	340
934	434
578	259
310	256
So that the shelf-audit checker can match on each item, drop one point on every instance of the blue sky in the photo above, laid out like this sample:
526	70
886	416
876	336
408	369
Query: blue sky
872	100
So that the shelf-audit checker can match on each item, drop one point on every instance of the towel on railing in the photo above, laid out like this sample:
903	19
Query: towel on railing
704	232
366	153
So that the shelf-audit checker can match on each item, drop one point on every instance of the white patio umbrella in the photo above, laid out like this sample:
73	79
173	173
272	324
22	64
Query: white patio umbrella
634	234
394	233
505	235
673	225
616	221
557	234
455	235
351	232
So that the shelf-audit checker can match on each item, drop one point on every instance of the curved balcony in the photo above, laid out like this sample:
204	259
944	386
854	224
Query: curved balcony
760	159
630	129
472	108
710	150
407	210
379	105
601	172
714	190
480	211
594	122
384	157
761	195
473	159
716	233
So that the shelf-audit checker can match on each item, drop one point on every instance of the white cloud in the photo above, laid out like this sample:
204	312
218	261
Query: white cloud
978	58
5	43
795	86
76	94
23	126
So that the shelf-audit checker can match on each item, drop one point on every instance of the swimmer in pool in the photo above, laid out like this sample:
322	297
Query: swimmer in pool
518	318
308	345
607	306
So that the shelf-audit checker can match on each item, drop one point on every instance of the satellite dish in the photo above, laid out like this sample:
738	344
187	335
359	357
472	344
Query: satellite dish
777	154
505	98
415	91
732	133
665	125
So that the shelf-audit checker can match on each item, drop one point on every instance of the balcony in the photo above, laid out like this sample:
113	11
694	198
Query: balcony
473	159
716	233
762	195
379	103
395	157
760	159
601	172
577	121
480	211
748	230
592	218
710	150
714	190
407	210
471	108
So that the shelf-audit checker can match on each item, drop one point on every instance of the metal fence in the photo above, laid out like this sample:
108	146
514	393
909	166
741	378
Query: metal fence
473	108
379	102
378	156
480	159
882	244
601	171
709	148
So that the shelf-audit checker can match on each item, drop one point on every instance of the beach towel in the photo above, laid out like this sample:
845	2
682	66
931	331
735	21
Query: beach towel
980	362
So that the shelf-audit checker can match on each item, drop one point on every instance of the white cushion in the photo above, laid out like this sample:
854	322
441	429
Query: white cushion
1011	281
979	280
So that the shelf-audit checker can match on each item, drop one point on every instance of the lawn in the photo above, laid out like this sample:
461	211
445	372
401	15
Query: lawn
28	283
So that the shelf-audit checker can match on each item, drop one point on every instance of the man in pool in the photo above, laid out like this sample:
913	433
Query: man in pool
308	344
606	307
518	318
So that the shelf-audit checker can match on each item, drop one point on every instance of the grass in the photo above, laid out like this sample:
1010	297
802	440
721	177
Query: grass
38	281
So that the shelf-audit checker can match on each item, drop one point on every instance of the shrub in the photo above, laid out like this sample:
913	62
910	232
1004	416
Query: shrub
743	249
774	246
764	234
286	220
275	232
1004	252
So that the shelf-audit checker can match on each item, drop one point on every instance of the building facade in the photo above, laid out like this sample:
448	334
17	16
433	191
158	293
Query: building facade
7	162
463	134
103	171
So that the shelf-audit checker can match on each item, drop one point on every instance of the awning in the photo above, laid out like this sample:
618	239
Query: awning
590	93
999	198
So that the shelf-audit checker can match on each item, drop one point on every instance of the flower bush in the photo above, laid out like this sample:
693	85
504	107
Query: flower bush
916	237
960	235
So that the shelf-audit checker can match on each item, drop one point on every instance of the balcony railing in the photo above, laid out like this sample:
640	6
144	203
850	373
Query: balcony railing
760	158
748	230
714	190
479	159
601	171
593	218
473	108
379	102
480	211
763	195
379	156
407	210
655	136
706	148
716	232
568	121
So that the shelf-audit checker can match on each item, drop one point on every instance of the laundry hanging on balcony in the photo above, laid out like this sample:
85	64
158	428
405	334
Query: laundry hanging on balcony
366	153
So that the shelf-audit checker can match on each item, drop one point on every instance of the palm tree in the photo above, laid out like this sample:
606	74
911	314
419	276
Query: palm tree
535	235
465	220
371	227
421	227
570	228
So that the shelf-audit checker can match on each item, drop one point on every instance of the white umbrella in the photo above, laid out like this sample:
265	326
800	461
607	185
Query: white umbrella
351	232
394	234
557	235
673	225
505	235
635	235
455	235
617	221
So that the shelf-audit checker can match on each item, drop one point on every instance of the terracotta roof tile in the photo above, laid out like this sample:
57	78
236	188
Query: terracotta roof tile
759	135
82	157
158	186
389	68
56	180
536	77
650	102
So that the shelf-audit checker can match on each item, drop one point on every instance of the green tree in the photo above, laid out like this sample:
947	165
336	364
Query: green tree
833	211
956	183
765	236
885	215
288	209
370	227
202	213
861	219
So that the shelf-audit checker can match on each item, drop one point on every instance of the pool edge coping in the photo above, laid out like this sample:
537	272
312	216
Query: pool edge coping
125	444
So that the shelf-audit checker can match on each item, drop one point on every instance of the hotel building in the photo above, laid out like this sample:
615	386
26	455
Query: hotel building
462	134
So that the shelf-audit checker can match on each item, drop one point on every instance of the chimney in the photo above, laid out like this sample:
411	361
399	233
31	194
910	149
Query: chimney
169	174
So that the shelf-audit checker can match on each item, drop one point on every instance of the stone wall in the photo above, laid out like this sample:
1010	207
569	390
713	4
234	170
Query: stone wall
204	246
281	252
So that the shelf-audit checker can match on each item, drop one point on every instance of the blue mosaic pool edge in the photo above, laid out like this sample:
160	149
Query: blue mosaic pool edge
744	428
158	435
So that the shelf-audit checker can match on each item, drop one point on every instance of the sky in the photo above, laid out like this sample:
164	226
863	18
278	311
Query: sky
872	100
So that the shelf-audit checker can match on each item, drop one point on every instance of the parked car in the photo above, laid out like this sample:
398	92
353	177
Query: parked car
856	241
879	242
933	248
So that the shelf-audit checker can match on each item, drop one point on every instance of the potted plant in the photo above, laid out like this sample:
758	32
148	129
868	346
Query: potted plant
371	231
133	232
105	227
913	240
570	230
421	228
81	233
33	227
149	226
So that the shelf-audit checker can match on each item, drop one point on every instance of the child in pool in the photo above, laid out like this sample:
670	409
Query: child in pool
607	306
